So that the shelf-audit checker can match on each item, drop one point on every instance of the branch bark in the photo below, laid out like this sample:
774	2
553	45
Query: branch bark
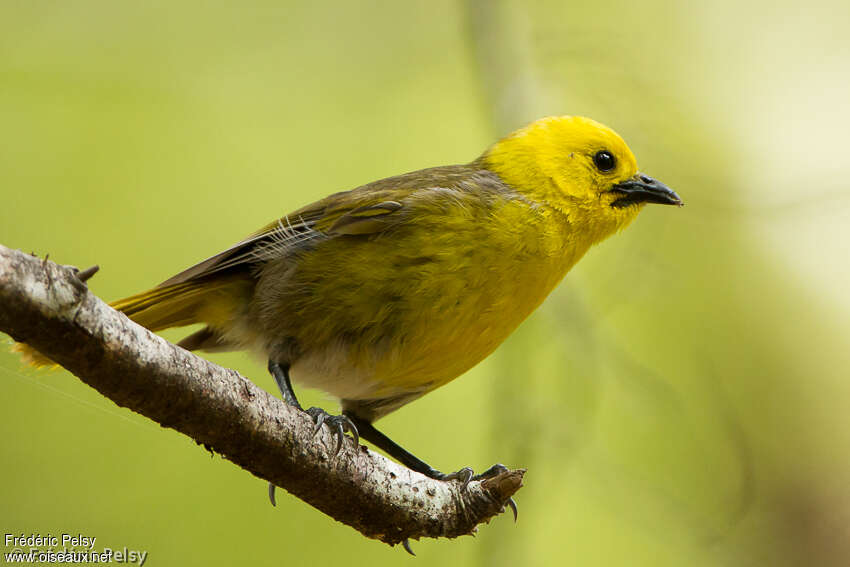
48	307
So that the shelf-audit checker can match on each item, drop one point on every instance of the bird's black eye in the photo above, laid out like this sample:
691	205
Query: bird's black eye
604	160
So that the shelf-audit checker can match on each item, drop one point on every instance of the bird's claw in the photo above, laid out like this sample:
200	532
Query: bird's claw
338	424
512	506
495	470
406	545
466	475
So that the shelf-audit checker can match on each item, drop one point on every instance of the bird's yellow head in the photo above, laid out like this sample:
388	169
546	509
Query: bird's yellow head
580	167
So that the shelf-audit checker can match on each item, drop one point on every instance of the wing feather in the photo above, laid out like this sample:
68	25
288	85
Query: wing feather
252	249
333	216
369	209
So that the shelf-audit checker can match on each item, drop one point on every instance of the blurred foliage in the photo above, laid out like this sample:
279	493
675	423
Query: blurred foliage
679	400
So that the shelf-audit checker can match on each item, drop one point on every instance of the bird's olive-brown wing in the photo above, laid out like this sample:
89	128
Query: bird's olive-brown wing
339	214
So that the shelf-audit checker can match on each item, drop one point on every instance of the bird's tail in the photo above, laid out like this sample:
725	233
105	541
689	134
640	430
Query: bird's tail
212	301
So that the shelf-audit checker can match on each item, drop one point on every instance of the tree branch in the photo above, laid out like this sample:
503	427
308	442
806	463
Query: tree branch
48	307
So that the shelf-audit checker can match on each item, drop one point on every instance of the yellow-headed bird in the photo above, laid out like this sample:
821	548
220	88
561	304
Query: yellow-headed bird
384	293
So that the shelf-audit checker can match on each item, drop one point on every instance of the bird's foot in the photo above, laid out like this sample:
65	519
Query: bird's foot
338	424
466	475
493	471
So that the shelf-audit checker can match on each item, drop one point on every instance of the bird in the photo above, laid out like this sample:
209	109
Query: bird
384	293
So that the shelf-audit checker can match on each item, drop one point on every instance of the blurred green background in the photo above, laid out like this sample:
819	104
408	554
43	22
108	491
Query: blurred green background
681	399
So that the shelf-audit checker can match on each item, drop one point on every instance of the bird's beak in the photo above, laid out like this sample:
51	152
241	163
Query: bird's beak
644	189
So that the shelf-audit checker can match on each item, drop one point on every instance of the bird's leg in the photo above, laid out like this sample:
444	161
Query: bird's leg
280	372
368	432
393	449
339	424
